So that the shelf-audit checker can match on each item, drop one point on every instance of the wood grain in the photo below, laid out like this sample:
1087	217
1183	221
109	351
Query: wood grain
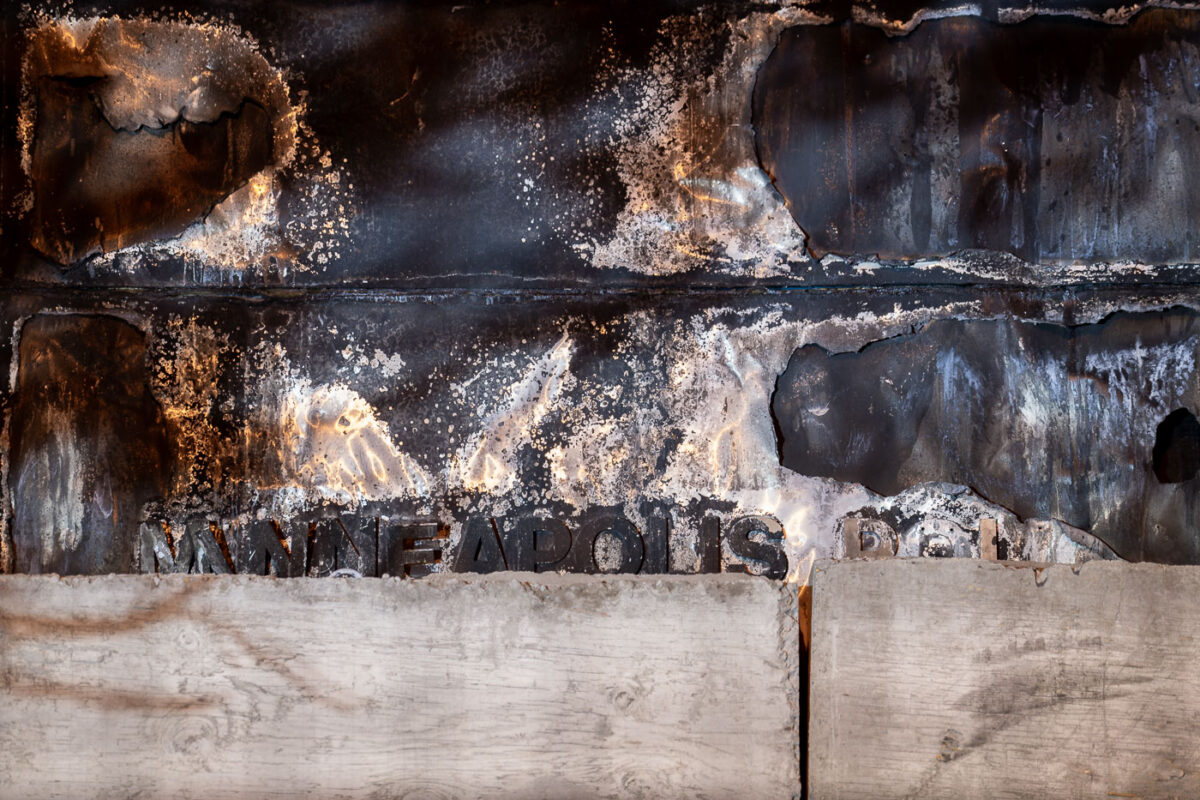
967	679
223	687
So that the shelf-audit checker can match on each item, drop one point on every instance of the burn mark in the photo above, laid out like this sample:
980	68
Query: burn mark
1048	420
966	134
89	445
1177	447
1035	684
140	128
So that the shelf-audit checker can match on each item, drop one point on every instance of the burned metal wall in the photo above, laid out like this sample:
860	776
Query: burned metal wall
303	288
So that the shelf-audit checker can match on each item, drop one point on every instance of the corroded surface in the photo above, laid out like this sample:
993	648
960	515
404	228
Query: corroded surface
586	148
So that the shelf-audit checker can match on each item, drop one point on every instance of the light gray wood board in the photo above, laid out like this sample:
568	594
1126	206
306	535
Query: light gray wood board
967	679
222	687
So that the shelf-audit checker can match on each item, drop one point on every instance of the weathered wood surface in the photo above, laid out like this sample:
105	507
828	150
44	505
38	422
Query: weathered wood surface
445	688
960	679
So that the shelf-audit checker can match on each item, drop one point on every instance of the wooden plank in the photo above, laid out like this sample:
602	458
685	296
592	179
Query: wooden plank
987	539
442	688
957	679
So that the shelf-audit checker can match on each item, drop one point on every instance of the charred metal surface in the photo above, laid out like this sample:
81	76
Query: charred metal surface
492	286
125	148
89	444
515	121
903	15
591	146
966	134
312	435
91	179
1070	423
1177	447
